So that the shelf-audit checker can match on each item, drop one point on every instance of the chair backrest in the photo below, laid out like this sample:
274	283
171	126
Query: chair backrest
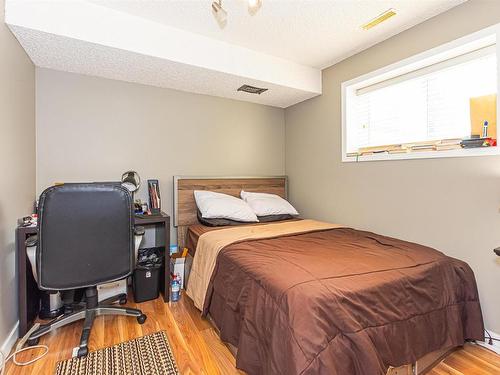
85	235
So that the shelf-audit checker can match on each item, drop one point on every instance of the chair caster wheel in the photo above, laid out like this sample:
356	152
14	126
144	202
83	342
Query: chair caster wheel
122	301
141	319
82	352
33	342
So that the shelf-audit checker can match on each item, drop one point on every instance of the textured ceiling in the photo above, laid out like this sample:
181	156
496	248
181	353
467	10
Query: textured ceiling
75	56
80	37
178	44
316	33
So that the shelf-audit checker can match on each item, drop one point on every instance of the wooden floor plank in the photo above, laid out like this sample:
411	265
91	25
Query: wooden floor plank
444	369
469	366
485	355
196	345
480	362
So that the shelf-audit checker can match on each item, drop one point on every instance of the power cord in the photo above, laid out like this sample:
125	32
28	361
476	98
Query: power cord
490	338
19	349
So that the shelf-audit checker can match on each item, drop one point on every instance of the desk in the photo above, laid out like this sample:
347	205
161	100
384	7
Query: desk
28	293
162	228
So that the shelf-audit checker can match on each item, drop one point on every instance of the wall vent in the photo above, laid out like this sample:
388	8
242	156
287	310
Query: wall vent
251	89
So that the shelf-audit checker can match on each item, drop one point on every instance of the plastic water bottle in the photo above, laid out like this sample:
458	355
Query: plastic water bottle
176	288
179	279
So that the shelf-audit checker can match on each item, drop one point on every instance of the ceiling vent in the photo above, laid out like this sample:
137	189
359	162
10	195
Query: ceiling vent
251	89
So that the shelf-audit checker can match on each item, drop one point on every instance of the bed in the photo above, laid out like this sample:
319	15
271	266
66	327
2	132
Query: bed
307	297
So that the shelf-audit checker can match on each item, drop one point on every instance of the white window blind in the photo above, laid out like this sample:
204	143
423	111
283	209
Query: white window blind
428	104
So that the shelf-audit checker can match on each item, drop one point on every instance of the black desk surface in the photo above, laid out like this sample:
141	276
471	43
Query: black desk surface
138	220
151	219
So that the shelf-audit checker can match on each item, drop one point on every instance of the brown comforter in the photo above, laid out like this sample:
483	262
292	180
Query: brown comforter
339	302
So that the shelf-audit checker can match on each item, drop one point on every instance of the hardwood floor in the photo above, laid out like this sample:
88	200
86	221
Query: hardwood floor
196	346
469	360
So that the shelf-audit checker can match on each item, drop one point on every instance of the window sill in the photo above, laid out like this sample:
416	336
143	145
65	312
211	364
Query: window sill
480	151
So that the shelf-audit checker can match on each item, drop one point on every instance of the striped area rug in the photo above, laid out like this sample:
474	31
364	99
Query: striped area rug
147	355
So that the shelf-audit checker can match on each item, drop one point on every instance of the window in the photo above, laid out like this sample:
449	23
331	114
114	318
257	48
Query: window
426	106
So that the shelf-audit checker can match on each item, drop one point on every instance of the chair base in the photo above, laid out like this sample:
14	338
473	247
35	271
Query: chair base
89	314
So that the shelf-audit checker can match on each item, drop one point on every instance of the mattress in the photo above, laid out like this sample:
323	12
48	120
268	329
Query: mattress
196	230
193	234
338	301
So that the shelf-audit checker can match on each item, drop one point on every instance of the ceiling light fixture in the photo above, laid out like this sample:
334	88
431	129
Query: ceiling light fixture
254	6
379	19
219	13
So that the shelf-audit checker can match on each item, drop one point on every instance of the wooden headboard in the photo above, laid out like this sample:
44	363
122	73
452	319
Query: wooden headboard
185	205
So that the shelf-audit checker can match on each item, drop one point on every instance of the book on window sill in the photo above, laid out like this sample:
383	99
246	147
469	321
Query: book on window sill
423	147
445	147
454	141
353	154
382	149
440	145
399	151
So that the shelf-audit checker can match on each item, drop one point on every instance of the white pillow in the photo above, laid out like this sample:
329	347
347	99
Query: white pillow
214	205
264	204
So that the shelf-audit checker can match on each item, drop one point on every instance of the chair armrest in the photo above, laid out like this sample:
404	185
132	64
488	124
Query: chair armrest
31	253
138	234
31	241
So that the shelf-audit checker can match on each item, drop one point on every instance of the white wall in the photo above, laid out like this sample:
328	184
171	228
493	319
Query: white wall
94	129
451	204
17	165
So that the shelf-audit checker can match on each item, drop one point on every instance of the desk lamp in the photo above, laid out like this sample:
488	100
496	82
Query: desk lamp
131	181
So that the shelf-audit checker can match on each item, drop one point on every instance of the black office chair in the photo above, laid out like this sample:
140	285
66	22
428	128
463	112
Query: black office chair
85	238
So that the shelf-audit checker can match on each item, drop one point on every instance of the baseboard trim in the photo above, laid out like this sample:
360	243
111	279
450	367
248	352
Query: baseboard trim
9	342
496	344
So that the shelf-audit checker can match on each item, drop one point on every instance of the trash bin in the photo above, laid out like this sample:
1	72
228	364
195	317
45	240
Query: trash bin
146	280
